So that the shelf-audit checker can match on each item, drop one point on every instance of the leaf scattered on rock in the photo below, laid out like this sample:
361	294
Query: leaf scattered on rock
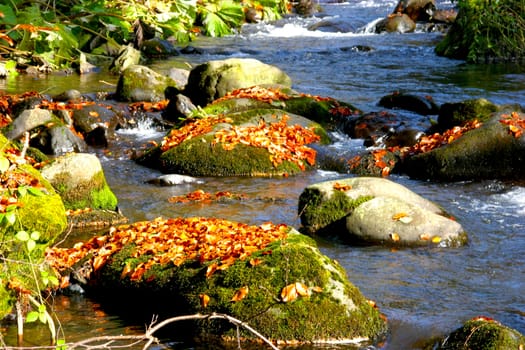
192	129
284	142
171	241
515	123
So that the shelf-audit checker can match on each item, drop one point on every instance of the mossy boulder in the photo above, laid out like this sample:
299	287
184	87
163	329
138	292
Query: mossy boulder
39	209
140	83
201	156
481	333
492	151
367	210
455	114
80	181
330	308
214	79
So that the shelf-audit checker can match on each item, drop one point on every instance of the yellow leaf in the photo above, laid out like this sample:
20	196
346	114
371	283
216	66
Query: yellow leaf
301	289
205	299
436	239
394	237
289	293
240	294
399	216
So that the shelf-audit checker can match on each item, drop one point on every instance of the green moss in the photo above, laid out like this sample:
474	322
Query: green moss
319	213
337	311
198	157
7	301
319	111
94	194
485	32
482	335
455	114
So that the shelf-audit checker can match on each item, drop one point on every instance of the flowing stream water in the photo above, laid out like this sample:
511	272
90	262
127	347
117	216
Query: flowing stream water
423	292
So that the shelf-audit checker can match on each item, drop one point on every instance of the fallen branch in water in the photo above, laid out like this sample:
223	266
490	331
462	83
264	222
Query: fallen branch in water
114	342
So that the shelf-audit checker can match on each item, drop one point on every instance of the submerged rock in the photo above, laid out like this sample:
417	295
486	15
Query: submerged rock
366	210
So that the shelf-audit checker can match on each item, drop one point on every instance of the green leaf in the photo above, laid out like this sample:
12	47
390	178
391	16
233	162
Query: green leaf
22	236
31	245
32	316
9	16
35	191
4	164
35	235
60	344
22	191
42	317
10	217
52	281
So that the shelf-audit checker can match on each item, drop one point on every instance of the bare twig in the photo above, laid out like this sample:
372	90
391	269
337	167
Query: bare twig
111	342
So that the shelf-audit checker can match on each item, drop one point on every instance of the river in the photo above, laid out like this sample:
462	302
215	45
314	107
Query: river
423	292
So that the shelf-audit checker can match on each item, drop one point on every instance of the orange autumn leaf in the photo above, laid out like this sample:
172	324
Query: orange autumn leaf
255	262
204	299
292	291
394	237
240	294
398	216
341	187
93	114
213	242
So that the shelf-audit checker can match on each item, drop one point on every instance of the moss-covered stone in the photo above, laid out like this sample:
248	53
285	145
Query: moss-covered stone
198	157
80	181
456	114
335	310
489	152
319	214
481	334
329	113
139	83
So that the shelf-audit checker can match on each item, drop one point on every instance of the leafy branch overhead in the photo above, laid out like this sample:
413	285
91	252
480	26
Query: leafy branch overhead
53	34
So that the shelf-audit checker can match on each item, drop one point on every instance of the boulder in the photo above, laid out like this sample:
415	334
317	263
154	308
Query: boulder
27	121
416	10
457	113
496	150
128	56
366	210
396	23
418	104
32	216
253	143
269	274
140	83
214	79
97	123
59	140
80	181
481	333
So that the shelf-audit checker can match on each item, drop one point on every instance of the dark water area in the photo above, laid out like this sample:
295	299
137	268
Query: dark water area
423	292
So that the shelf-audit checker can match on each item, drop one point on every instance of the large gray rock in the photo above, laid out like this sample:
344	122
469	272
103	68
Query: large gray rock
214	79
27	121
376	211
140	83
80	181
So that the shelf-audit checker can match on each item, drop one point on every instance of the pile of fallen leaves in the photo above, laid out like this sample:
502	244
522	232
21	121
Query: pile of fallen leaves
202	196
195	128
515	123
171	241
258	93
284	142
428	143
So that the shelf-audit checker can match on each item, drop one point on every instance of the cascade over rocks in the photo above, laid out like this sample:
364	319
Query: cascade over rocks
366	210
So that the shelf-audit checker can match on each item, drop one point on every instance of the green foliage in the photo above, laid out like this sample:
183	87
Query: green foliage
487	31
55	33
